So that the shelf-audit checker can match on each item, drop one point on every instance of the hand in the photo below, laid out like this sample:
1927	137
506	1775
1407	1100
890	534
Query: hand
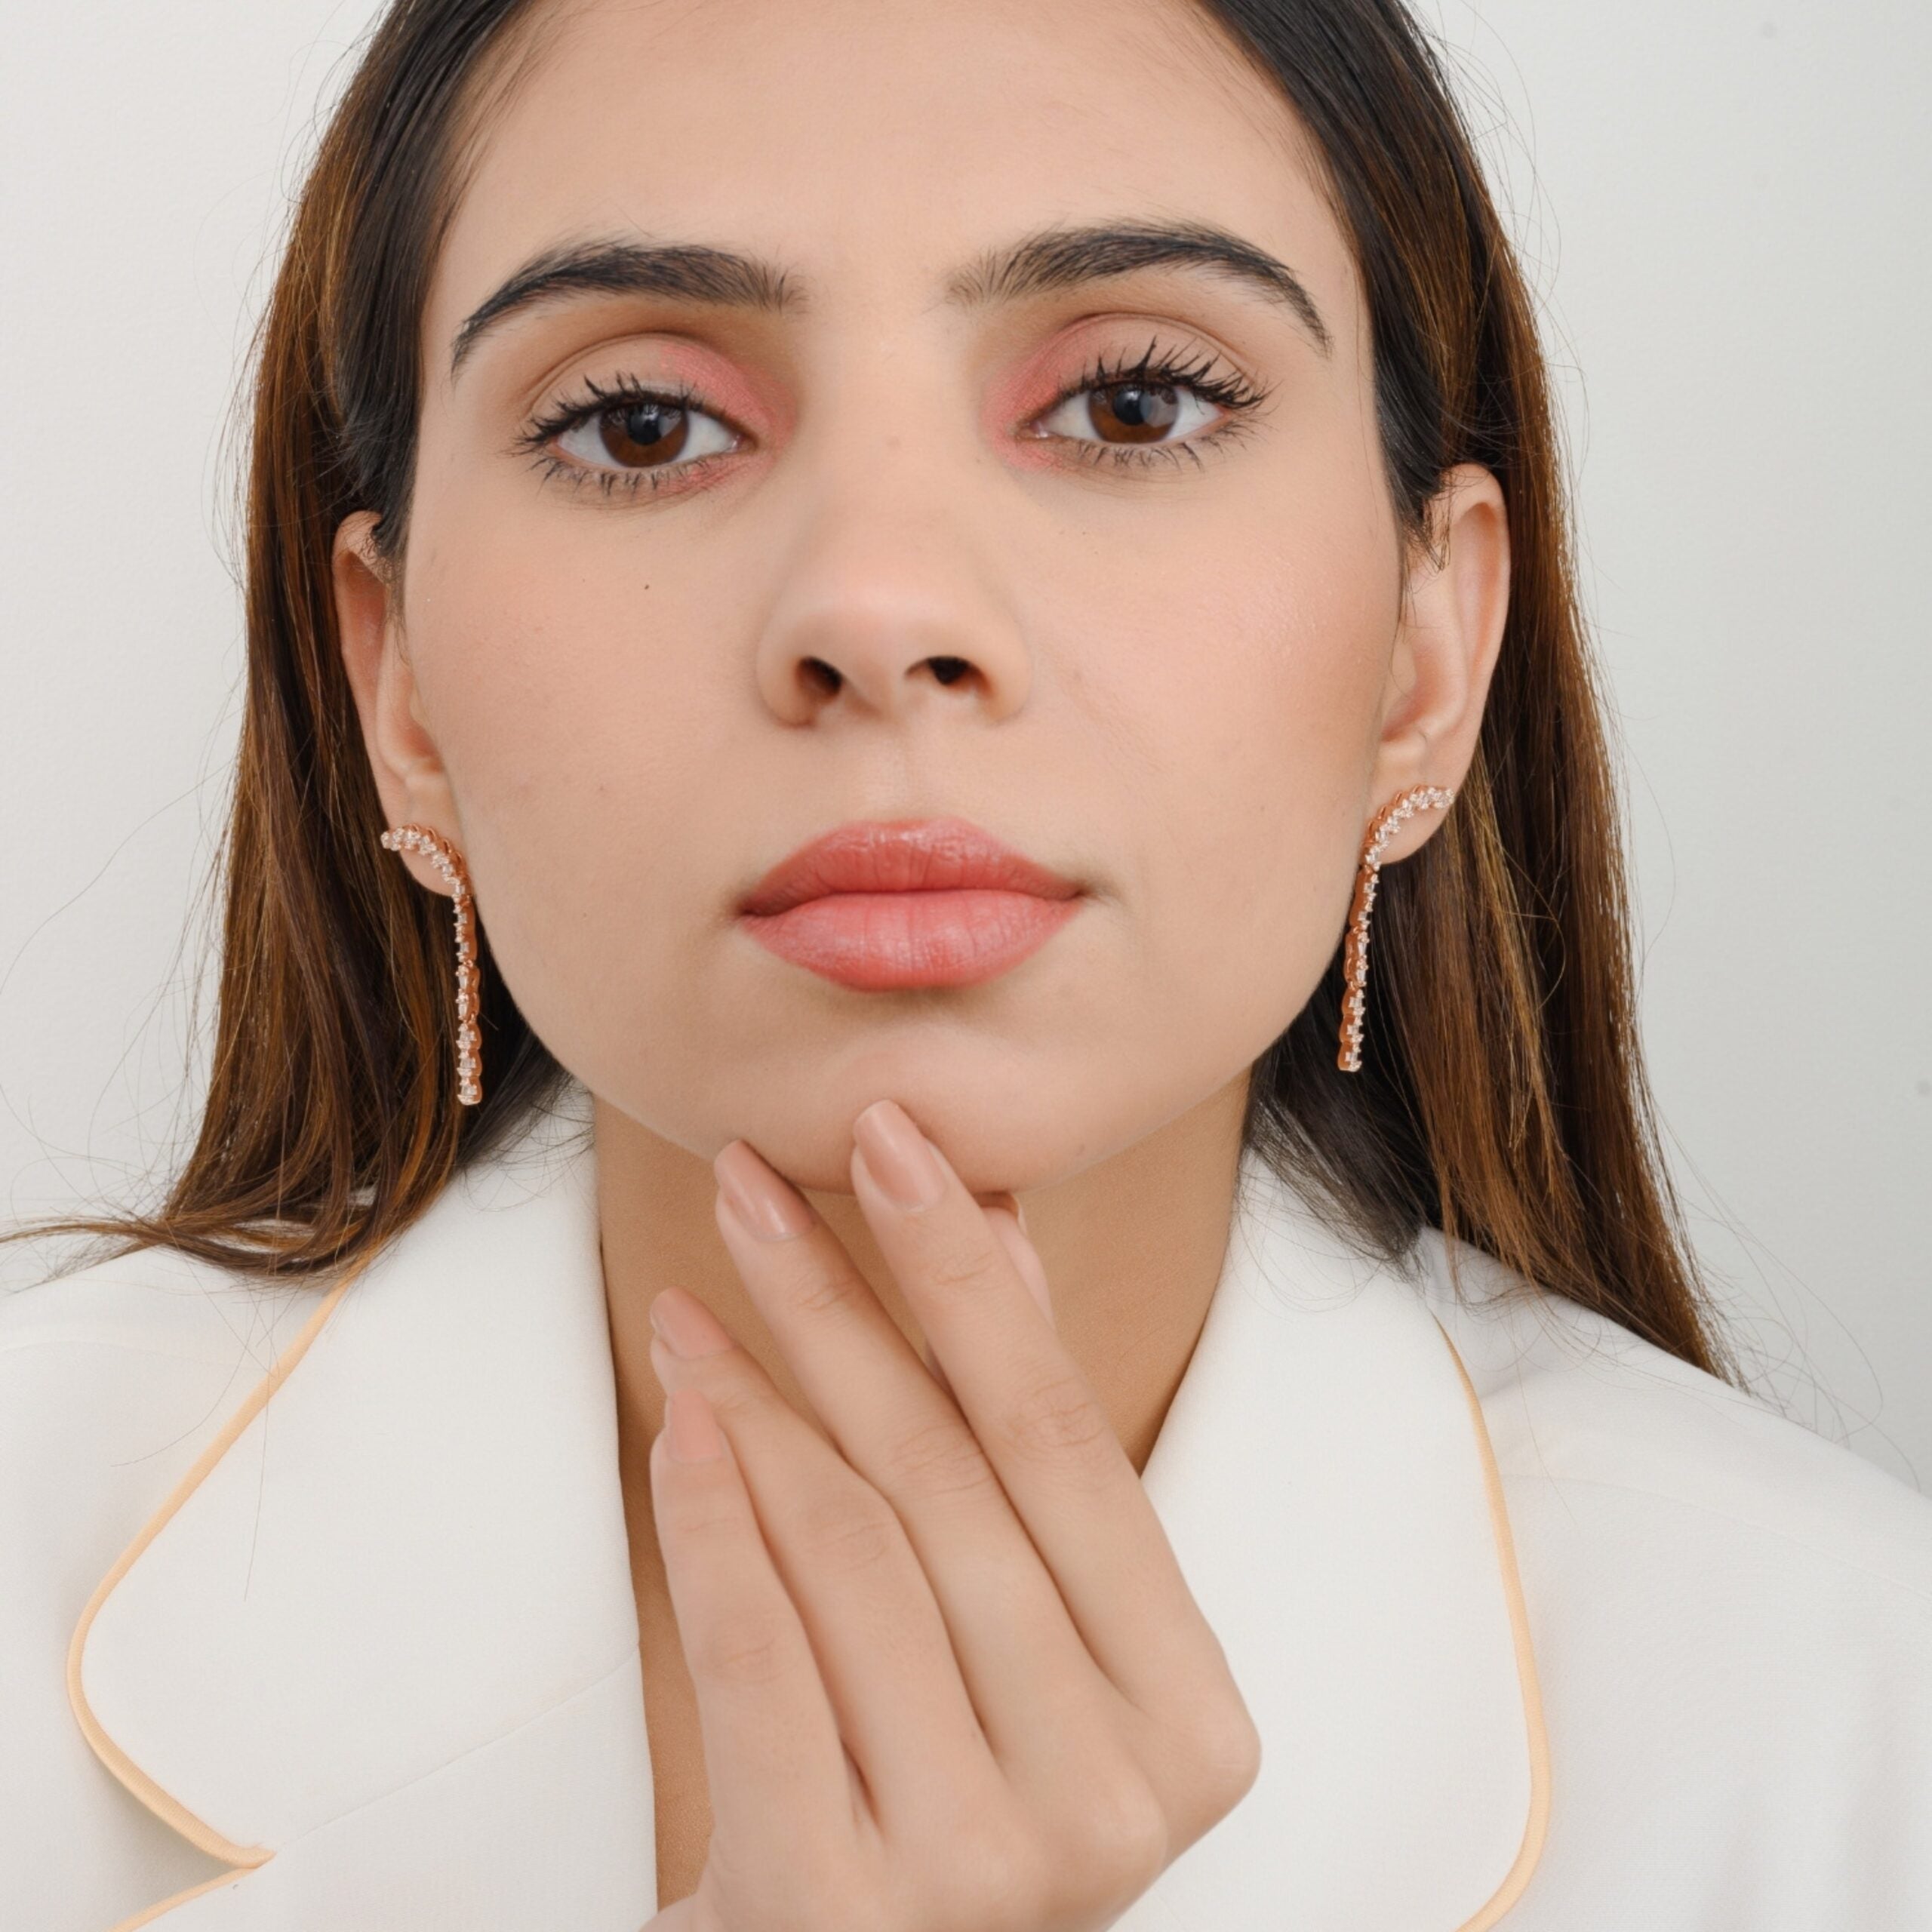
950	1676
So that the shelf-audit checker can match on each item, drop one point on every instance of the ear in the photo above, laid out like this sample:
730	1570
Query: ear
1446	647
409	774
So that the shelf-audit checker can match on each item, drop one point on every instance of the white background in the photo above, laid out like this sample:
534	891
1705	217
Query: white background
1725	205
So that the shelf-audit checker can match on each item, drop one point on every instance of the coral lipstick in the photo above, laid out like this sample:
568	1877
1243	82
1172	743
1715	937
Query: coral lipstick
882	906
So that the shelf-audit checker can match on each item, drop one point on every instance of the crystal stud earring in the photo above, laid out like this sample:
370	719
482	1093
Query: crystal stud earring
1354	952
432	845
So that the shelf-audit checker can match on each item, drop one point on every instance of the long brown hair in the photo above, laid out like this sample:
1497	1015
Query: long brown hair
1502	1096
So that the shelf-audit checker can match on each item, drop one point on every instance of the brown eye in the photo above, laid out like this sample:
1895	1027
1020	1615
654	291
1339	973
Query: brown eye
644	432
1140	412
1116	414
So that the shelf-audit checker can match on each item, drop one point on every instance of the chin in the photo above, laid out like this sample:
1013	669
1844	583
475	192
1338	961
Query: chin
1021	1099
983	1107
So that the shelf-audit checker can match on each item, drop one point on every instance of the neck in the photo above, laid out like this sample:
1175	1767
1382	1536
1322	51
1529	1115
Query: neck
1133	1247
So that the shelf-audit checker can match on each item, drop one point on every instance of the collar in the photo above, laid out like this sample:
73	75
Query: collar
382	1636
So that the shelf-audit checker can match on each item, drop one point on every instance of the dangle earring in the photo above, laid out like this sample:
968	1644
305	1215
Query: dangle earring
1354	951
447	861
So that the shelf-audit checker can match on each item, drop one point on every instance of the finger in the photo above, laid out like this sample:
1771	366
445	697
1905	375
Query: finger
1026	1258
1004	1213
1025	1668
936	1369
1000	1200
1042	1425
867	1609
773	1756
1004	1222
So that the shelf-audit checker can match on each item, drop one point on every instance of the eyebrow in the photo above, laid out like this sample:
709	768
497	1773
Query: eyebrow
1050	259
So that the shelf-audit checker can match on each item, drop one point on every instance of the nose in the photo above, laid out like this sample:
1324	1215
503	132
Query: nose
890	612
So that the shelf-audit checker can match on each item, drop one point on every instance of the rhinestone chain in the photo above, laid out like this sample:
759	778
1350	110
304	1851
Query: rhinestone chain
444	856
1354	952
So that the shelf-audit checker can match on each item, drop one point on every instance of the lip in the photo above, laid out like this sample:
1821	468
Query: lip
882	905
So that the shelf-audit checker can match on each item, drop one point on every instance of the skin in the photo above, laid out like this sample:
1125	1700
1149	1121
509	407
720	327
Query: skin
1190	686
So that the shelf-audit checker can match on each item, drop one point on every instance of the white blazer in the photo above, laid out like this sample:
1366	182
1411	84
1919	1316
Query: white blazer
316	1610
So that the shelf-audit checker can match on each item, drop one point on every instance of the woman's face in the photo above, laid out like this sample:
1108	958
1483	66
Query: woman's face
876	569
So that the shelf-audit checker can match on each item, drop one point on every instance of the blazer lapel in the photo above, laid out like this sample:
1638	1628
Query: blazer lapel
1324	1474
386	1649
379	1652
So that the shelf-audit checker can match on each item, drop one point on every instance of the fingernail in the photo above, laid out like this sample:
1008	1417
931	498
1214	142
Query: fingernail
687	1328
1025	1260
898	1155
767	1204
690	1427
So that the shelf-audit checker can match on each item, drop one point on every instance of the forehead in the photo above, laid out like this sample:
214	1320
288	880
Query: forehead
874	146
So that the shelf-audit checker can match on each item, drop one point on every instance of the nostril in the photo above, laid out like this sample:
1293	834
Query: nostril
949	670
822	674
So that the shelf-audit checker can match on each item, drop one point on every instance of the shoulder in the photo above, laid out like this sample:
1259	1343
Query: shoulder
109	1352
155	1300
112	1378
1574	1400
1731	1617
1713	1584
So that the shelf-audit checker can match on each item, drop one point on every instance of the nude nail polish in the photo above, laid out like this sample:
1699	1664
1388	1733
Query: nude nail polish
898	1155
767	1204
685	1326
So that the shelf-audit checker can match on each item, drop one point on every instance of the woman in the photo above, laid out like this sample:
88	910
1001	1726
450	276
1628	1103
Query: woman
912	584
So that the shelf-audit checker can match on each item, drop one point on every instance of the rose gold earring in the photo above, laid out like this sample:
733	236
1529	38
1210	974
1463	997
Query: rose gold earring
447	861
1354	952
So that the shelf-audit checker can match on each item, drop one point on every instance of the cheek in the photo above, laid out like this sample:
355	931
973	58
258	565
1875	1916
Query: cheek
1255	708
578	723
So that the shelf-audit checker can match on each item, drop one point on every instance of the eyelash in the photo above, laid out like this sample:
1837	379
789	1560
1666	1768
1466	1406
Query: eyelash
1155	369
